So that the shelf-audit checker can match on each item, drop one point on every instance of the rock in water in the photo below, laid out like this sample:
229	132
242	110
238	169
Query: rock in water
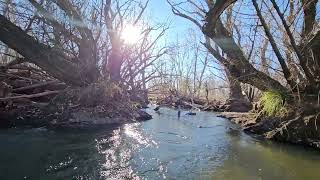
143	116
191	113
157	108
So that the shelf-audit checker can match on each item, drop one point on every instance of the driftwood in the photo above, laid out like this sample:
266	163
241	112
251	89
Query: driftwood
30	95
23	87
14	76
193	105
14	62
42	84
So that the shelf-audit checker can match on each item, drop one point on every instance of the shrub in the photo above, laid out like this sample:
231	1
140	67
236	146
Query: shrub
273	103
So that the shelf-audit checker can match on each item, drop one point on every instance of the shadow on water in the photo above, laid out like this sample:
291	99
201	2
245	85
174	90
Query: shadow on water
192	147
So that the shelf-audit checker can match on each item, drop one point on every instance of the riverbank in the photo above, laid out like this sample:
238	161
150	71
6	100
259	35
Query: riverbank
71	117
175	100
300	129
95	106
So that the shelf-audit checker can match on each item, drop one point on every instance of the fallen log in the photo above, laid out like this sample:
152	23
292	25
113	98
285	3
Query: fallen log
31	95
42	84
16	61
13	76
195	106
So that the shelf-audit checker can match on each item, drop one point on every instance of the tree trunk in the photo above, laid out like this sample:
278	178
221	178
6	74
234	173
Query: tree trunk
236	101
115	60
238	65
311	53
41	55
235	88
264	62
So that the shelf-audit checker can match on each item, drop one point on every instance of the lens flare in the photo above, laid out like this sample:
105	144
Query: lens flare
130	34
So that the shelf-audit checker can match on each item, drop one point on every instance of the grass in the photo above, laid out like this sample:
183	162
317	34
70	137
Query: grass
273	103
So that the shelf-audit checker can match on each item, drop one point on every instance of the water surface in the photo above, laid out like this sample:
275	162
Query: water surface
192	147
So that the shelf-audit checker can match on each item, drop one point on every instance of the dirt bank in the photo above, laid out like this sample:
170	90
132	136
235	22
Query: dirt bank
299	128
202	104
94	106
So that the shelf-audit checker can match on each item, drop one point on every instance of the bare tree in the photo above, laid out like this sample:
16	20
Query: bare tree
195	14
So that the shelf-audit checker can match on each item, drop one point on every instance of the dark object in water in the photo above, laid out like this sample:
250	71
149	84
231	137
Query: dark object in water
157	108
191	113
232	131
179	114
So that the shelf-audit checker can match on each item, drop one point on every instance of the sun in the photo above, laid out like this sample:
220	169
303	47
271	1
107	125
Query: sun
130	34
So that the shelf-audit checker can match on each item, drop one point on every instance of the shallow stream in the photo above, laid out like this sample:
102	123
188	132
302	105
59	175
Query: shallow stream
192	147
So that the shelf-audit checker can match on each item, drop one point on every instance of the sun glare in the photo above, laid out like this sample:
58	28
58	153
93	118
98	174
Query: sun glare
130	34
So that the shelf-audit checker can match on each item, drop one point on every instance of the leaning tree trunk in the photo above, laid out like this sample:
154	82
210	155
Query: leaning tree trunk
238	65
244	71
311	46
53	62
236	101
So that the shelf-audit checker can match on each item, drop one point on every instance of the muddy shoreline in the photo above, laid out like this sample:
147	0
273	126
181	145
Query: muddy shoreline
78	118
298	130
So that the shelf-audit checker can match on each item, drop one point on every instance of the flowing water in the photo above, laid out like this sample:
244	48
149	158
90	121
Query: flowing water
192	147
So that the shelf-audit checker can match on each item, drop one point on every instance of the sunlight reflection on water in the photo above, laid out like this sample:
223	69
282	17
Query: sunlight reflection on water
157	149
163	148
120	151
117	156
133	131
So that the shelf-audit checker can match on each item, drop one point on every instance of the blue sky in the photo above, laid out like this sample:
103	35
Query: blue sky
160	11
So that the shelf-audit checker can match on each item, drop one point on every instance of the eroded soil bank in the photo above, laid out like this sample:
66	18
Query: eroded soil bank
96	106
300	128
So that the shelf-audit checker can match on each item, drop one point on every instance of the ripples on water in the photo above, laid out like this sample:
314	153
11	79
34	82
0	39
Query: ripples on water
163	148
